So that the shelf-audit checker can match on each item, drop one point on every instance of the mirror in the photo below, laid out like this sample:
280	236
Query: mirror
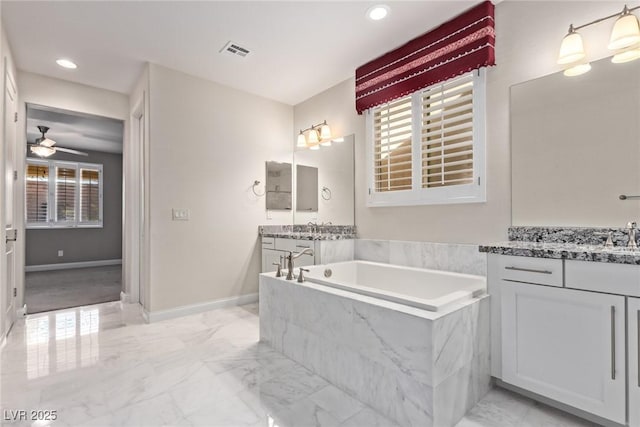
306	188
575	147
278	189
325	183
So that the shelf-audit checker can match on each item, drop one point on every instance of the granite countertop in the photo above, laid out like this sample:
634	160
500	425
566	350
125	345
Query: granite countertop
565	250
308	236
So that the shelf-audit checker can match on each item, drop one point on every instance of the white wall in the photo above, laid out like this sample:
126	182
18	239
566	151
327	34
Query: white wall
51	92
208	143
528	39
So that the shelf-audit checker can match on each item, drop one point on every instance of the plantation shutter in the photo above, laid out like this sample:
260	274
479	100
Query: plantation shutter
65	193
37	194
447	133
89	195
392	127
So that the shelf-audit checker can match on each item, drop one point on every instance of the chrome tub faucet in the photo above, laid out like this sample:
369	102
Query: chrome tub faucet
291	257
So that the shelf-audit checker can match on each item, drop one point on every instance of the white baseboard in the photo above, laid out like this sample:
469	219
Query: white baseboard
69	265
155	316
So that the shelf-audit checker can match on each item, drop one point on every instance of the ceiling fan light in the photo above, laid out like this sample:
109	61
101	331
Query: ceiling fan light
42	150
626	32
46	142
572	48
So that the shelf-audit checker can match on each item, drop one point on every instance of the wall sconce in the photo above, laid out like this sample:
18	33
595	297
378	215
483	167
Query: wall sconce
625	40
317	135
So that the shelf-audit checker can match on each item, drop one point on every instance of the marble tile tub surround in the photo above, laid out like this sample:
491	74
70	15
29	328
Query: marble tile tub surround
415	367
457	258
309	232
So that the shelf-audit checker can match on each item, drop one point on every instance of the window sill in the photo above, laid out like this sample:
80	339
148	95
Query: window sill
62	227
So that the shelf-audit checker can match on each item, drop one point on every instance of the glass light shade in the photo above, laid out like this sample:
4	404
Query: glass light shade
626	56
314	147
326	143
341	139
42	151
47	142
626	32
313	137
571	49
302	141
325	131
577	70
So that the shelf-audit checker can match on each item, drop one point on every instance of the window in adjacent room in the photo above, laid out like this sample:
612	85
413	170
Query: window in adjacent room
63	194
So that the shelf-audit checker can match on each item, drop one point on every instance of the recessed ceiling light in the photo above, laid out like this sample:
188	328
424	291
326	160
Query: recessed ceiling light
65	63
378	12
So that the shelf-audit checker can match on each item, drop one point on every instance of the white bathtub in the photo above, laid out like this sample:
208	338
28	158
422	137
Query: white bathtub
430	290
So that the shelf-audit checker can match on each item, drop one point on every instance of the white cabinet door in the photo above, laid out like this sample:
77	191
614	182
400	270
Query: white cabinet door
269	257
634	361
566	345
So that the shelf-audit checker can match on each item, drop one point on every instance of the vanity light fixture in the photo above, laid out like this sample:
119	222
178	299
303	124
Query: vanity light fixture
624	39
317	135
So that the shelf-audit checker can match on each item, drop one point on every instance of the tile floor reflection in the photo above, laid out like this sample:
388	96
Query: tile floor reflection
102	366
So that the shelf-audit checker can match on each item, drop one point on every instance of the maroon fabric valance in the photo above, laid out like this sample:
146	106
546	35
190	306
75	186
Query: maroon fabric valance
460	45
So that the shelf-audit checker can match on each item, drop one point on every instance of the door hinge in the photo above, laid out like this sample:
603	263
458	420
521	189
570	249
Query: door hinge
15	292
369	191
15	117
15	175
478	180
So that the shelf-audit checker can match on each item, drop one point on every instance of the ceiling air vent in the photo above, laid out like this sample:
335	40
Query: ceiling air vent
232	48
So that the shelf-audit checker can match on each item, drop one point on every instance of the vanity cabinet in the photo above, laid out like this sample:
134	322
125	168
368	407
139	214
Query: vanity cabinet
567	345
324	251
633	328
568	331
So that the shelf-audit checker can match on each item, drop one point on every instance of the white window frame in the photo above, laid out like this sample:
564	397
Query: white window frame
455	194
52	211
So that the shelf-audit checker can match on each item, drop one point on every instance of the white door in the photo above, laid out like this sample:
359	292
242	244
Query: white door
566	345
634	361
10	119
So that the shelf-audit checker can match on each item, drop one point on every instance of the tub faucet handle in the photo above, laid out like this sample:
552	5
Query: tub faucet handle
300	277
279	272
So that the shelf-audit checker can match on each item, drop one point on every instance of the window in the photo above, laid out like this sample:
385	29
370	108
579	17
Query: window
428	147
63	194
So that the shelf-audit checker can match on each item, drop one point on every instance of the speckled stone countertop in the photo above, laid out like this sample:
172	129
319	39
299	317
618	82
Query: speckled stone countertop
581	244
309	232
598	253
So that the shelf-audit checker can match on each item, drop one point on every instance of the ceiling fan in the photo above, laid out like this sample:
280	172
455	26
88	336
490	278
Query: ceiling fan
45	147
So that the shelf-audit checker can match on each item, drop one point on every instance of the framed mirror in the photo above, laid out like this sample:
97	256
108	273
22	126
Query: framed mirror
278	189
575	147
325	183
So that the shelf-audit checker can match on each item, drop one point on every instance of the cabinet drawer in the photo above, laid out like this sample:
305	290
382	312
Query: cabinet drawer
268	242
622	279
541	271
293	245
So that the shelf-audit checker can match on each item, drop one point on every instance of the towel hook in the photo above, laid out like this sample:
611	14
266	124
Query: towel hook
253	188
326	193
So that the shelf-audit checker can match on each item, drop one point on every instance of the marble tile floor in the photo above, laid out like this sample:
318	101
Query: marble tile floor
101	365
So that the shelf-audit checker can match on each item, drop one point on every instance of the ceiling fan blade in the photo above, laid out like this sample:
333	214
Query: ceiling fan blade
69	150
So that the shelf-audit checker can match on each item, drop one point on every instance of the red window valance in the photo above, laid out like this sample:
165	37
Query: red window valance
462	44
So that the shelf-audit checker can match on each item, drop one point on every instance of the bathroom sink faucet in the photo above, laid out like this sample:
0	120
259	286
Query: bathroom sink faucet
632	230
290	259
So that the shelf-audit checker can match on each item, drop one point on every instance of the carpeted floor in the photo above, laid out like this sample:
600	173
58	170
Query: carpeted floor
53	290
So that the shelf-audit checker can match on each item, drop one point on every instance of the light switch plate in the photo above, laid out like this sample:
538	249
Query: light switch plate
180	214
60	252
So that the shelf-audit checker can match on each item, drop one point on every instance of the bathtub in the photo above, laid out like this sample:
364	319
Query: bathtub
430	290
411	343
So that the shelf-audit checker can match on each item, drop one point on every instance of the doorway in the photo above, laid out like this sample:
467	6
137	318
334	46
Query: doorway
73	205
